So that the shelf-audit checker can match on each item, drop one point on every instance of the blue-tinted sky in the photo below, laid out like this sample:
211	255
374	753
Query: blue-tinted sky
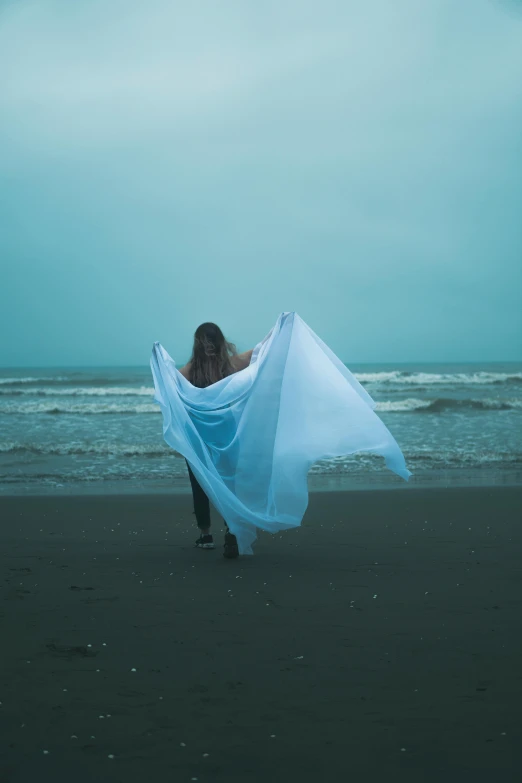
165	163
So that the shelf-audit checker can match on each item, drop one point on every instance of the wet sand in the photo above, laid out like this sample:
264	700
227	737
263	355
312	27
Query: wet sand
380	641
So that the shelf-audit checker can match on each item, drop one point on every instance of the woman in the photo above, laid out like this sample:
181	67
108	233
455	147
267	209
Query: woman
213	358
252	438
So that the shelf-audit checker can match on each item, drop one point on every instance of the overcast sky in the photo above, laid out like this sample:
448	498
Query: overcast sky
167	163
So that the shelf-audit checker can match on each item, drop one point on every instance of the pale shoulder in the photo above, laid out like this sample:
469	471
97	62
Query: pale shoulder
242	360
185	371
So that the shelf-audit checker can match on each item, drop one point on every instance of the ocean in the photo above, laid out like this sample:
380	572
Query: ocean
98	430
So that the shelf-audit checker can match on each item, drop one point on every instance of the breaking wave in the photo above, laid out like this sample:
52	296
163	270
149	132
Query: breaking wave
77	384
81	391
447	404
17	381
83	409
408	405
446	379
102	449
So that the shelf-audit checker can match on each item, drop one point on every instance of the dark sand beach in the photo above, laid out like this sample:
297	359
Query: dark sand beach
380	641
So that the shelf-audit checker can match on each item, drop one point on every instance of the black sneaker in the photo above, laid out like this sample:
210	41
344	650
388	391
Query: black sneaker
205	542
230	548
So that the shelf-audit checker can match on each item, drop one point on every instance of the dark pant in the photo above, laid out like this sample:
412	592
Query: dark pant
201	502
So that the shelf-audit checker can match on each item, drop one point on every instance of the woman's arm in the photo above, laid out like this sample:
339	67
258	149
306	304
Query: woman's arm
242	360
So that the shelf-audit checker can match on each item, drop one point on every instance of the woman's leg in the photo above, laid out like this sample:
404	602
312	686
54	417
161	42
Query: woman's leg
201	503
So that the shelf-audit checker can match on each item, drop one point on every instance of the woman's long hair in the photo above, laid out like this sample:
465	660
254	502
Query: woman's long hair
211	356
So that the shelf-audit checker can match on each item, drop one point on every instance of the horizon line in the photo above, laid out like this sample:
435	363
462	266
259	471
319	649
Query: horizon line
142	366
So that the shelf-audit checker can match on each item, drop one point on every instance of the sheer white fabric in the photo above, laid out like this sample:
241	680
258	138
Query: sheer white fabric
251	438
